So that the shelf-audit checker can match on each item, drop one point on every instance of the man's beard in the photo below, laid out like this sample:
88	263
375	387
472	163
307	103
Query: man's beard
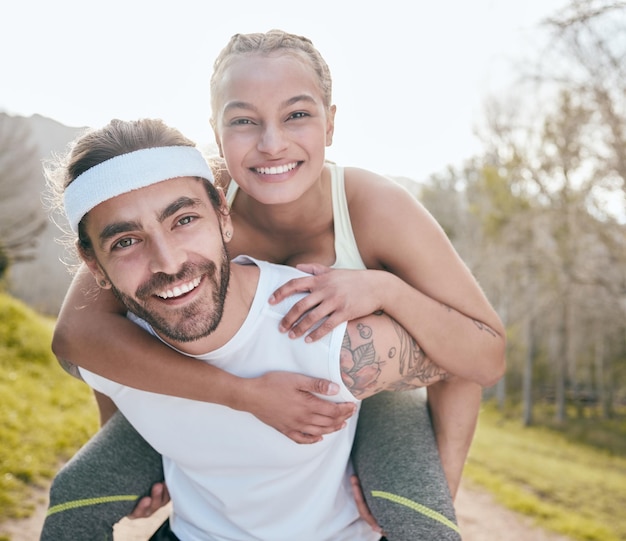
195	320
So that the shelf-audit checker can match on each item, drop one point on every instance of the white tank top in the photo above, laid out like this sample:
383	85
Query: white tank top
233	478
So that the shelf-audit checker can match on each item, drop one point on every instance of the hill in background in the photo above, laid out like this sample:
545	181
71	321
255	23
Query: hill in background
42	282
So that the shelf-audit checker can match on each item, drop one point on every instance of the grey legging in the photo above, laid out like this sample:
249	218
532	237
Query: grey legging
394	455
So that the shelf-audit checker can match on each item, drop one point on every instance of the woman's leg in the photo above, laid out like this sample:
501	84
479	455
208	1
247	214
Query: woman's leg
396	459
101	484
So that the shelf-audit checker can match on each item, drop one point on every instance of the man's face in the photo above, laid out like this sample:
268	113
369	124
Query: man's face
162	250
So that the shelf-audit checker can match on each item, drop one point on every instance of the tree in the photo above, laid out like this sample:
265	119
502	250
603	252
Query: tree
21	220
535	191
588	61
587	56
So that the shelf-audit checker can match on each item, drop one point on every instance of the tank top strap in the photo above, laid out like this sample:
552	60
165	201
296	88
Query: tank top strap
231	193
346	250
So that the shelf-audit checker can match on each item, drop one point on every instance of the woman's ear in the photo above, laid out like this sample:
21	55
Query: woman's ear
330	124
218	141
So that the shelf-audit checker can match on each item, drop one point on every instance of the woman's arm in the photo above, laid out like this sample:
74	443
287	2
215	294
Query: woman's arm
93	332
433	293
428	289
377	354
339	294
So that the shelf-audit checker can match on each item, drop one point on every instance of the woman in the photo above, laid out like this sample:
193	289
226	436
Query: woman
273	117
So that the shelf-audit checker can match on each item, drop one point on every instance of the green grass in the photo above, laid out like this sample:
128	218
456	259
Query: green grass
45	415
568	487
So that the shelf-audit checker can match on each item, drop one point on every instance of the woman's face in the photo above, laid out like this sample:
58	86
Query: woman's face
271	125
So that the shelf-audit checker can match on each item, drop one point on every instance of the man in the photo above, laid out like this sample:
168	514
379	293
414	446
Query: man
152	228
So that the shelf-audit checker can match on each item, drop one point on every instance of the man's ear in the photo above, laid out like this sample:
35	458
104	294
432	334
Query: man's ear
95	269
223	215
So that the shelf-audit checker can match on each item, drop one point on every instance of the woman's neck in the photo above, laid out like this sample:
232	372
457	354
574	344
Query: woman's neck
302	229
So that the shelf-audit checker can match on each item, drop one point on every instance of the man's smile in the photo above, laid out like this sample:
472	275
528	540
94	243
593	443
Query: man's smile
180	290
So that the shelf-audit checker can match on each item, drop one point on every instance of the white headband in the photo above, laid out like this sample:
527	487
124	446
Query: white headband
128	172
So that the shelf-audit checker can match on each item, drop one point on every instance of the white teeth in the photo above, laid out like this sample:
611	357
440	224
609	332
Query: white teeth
276	170
179	290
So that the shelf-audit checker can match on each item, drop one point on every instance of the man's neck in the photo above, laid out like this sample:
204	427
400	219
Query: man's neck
241	291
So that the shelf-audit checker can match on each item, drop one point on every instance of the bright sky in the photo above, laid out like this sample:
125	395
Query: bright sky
409	77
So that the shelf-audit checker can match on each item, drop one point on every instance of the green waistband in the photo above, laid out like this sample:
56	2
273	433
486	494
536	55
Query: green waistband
430	513
90	501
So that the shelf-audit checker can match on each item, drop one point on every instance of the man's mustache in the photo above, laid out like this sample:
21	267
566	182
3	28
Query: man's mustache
161	281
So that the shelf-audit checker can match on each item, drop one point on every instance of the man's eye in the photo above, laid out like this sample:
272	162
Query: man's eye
124	243
186	220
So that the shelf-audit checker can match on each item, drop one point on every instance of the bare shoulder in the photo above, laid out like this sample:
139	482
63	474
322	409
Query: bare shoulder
382	209
358	179
374	194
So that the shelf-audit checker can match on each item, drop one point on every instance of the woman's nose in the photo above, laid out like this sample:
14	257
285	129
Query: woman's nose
272	140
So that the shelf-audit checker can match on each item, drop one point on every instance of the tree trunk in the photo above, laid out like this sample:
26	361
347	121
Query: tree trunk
559	413
527	382
600	381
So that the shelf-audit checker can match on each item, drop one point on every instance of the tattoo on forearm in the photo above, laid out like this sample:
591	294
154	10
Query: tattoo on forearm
416	369
479	324
70	368
361	365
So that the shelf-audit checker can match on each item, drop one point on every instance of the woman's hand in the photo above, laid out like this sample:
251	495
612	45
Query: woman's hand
286	402
335	294
361	505
146	506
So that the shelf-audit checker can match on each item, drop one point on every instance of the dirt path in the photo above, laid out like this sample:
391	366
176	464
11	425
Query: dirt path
480	519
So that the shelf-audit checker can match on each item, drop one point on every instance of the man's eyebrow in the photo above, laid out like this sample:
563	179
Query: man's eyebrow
175	206
116	228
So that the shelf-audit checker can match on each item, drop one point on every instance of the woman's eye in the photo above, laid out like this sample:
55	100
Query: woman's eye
240	122
298	114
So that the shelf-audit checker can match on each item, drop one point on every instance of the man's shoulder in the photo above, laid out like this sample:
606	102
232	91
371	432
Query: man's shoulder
274	272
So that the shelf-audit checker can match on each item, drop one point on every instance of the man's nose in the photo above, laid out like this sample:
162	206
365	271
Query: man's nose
166	255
